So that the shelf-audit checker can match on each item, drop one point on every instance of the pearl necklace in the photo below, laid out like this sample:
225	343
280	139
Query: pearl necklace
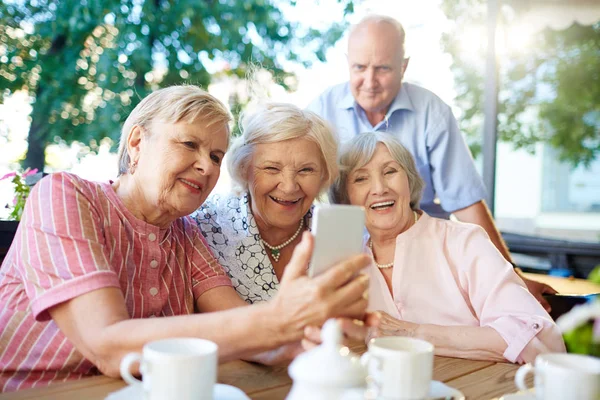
384	266
276	250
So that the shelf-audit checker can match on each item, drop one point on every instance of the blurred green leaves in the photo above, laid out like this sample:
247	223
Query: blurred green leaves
549	91
86	64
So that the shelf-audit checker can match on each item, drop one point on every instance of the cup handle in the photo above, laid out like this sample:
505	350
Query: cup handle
374	380
126	364
522	373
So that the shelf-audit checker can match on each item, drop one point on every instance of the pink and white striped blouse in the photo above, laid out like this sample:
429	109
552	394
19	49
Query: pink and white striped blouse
77	236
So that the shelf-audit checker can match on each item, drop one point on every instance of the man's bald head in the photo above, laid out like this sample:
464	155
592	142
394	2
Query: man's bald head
376	62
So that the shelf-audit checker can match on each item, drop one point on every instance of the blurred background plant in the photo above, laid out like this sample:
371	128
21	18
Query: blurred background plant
581	325
22	187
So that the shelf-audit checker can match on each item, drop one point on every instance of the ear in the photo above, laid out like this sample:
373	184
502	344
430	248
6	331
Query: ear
134	142
406	60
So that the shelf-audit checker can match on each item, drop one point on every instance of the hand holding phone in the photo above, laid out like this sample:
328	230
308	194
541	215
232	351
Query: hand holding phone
338	232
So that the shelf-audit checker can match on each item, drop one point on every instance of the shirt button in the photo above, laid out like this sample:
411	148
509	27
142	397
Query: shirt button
152	237
153	264
153	291
536	326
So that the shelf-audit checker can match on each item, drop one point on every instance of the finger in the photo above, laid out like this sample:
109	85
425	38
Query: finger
353	328
313	334
355	310
544	303
308	345
373	319
300	259
548	289
356	290
341	273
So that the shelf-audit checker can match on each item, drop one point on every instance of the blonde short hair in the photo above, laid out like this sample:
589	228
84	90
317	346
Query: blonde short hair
276	122
183	103
360	150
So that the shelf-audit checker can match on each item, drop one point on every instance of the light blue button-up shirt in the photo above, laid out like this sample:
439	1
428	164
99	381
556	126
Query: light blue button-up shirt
425	125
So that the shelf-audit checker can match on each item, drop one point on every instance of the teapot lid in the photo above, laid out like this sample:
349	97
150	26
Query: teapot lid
329	364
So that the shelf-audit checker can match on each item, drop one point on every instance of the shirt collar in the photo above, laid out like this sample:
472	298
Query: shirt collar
401	101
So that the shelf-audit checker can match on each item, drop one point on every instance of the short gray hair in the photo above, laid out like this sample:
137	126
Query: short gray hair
377	19
173	104
276	122
360	150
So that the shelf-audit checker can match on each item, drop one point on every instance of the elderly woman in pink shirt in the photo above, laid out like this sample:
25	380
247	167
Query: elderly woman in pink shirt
438	280
92	263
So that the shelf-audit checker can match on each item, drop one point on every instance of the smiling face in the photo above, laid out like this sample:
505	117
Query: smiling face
381	186
179	165
376	63
284	178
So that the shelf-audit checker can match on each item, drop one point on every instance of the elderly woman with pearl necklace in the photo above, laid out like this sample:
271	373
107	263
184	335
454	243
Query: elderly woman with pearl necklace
433	279
284	159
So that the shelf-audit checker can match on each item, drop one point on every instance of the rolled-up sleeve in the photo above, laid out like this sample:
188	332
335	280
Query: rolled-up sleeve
502	302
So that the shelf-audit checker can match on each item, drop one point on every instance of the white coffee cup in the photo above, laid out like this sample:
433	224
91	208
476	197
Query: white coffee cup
399	367
562	376
180	368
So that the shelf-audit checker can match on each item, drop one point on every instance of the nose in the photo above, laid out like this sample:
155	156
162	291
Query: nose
369	78
205	165
378	185
289	182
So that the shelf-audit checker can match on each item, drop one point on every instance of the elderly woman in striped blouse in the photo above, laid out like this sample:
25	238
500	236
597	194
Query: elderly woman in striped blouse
92	264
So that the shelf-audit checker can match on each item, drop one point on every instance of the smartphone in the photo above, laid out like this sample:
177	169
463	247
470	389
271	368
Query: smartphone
338	232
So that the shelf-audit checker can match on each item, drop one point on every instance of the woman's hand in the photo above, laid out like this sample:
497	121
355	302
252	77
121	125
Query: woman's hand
302	301
386	325
353	330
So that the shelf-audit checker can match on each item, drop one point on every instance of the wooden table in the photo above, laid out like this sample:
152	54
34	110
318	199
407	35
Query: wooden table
476	379
566	285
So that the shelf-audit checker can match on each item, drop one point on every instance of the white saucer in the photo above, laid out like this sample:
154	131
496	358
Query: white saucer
523	395
220	392
439	389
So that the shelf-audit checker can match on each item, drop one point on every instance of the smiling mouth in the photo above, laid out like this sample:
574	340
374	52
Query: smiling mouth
191	184
284	202
382	205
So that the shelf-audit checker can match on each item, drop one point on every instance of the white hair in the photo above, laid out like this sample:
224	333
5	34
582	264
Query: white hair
360	150
276	122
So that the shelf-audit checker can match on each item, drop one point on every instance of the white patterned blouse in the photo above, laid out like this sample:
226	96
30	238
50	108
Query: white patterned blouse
232	235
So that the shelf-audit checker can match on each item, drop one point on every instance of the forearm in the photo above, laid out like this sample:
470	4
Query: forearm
479	214
237	332
471	342
106	335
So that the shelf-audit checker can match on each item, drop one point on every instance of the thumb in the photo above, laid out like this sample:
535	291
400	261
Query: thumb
300	259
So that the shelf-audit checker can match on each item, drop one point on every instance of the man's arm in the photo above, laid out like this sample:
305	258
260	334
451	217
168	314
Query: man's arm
480	214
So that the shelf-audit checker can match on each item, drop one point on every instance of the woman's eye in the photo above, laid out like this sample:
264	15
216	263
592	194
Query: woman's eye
307	170
391	171
359	179
190	145
271	169
216	159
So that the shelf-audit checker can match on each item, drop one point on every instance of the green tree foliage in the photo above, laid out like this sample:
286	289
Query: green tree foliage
548	92
86	64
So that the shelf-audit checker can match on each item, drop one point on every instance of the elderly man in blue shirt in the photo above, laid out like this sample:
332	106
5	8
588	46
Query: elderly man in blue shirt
375	98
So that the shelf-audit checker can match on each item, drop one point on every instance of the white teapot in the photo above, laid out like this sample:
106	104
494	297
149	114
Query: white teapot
328	372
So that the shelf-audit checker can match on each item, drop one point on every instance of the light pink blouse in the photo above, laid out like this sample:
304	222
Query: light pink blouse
450	273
